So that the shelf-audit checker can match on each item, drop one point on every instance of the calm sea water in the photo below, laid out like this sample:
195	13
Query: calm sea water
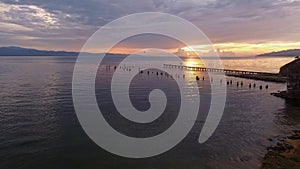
39	127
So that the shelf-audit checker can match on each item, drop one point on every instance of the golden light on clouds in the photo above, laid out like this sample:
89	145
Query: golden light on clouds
245	49
254	49
225	49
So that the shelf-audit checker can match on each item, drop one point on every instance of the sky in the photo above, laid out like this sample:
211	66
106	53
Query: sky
245	27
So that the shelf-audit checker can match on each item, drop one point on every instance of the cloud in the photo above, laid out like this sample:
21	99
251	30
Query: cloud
33	25
242	20
66	24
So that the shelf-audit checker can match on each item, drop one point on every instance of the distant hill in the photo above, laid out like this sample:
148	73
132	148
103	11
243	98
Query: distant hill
288	53
19	51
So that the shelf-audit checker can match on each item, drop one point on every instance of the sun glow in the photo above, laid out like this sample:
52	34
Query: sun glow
191	63
198	48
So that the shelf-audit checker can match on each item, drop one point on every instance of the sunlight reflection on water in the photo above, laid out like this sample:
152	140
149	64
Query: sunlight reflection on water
260	64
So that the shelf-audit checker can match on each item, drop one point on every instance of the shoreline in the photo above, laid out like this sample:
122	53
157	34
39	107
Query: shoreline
285	154
288	95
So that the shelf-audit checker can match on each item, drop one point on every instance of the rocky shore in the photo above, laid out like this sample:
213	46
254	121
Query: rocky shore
285	154
289	95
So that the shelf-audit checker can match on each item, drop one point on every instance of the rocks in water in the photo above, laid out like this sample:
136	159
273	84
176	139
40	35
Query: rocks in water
295	136
281	147
245	158
289	95
284	155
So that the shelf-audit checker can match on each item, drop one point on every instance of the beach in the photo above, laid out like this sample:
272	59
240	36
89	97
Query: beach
285	154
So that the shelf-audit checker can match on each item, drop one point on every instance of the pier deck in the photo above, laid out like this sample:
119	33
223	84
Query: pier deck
265	76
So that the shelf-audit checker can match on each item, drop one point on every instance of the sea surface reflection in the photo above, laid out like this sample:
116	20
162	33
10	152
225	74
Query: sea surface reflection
39	127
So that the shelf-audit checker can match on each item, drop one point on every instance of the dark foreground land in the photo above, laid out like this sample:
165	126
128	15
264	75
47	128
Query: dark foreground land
284	155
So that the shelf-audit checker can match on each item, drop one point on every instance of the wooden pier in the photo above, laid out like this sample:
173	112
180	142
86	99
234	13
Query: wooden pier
273	77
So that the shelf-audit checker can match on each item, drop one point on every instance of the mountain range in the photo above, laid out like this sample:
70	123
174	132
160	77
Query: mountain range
287	53
20	51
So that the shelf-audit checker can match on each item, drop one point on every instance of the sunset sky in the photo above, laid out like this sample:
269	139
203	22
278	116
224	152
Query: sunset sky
245	27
